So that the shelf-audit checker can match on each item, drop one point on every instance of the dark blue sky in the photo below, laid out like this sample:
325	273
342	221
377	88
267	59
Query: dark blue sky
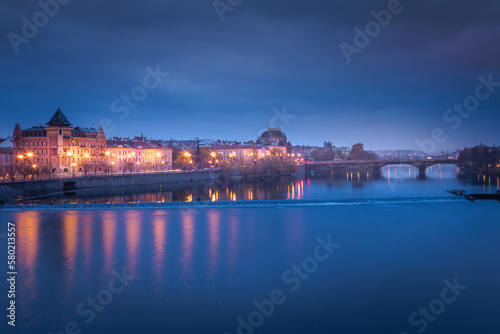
227	77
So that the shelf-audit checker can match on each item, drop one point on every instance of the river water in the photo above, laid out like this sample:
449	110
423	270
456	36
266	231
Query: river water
396	182
430	264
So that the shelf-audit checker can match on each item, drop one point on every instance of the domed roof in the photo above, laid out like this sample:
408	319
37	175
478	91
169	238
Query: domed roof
273	133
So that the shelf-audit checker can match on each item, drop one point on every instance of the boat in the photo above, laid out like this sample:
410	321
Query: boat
487	196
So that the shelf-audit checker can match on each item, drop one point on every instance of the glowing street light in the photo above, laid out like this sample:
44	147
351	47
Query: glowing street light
20	156
86	155
69	154
187	154
107	153
213	154
158	154
30	154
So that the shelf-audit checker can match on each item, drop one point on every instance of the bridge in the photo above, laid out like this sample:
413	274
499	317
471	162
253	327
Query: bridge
375	166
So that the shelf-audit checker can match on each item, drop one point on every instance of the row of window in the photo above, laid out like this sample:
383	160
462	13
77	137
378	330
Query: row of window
88	144
36	143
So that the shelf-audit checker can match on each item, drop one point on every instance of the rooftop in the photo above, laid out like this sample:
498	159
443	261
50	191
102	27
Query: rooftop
58	119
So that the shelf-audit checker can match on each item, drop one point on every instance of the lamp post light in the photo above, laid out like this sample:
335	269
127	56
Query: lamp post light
20	157
86	165
34	170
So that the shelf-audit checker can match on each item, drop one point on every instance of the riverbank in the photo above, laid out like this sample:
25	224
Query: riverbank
8	194
122	180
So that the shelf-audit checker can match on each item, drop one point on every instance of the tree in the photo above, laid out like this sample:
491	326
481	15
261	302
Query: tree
484	158
181	159
358	153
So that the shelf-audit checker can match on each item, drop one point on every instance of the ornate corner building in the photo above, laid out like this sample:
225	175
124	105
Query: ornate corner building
59	148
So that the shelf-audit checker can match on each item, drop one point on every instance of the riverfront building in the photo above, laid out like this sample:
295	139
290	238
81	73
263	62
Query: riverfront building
59	148
247	153
138	155
6	162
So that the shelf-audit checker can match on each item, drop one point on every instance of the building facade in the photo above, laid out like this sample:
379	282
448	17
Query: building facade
58	148
246	153
6	162
138	155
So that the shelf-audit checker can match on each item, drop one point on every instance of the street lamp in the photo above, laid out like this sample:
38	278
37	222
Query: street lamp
34	170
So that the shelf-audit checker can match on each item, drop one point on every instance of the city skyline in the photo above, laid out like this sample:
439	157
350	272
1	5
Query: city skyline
231	79
234	140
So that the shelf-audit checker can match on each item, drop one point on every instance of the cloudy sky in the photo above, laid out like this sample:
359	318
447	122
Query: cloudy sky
236	69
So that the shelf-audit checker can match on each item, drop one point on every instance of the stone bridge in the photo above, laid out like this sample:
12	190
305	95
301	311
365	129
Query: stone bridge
375	166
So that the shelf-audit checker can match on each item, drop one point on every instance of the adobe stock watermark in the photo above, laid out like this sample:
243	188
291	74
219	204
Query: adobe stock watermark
281	120
456	115
152	80
30	28
104	297
425	315
372	29
293	279
223	6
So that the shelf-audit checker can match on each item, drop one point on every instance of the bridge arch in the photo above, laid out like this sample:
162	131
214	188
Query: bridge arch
400	171
375	166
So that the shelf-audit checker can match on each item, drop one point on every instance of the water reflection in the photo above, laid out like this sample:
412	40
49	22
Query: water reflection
133	232
70	238
400	172
160	249
109	222
186	260
287	188
232	254
205	267
88	237
443	172
214	241
28	248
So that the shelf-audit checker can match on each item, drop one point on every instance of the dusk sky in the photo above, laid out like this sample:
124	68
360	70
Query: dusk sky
227	76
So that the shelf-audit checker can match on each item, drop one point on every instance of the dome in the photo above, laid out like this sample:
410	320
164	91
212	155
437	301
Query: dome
273	136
